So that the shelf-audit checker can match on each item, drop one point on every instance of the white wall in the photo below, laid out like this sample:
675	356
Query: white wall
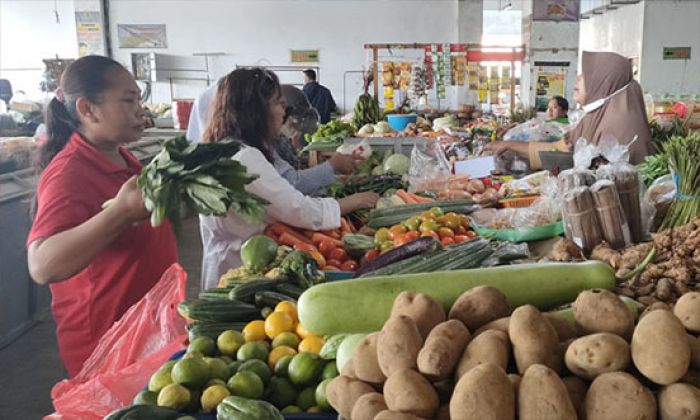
672	23
28	33
617	31
263	32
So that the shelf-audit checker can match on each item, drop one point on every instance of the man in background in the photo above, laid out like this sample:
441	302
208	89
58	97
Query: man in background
319	96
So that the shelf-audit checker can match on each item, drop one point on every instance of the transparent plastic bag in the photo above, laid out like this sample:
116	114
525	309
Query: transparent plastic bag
536	130
128	353
656	202
429	170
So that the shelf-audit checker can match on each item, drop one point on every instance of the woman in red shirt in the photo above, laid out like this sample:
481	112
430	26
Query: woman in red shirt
98	262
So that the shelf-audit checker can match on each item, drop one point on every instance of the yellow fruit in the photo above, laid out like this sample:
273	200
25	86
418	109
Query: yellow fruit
212	396
277	323
286	339
254	331
174	396
277	353
289	307
311	344
302	332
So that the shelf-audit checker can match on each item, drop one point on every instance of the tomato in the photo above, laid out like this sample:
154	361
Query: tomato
471	234
412	223
436	211
412	235
447	241
464	220
339	254
349	265
452	221
461	238
430	233
371	255
461	230
400	240
444	232
396	230
487	181
429	225
334	263
329	268
381	235
386	246
325	247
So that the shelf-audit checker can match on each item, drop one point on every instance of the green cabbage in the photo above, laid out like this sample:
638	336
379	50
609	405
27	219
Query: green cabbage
397	164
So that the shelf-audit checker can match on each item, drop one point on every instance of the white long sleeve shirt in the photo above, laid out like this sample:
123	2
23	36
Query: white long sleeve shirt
222	237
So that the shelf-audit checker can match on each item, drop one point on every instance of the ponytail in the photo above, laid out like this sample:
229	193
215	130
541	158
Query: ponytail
60	126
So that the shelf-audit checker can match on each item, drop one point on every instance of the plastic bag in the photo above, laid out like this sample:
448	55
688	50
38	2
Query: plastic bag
361	149
128	354
529	185
656	202
536	130
429	170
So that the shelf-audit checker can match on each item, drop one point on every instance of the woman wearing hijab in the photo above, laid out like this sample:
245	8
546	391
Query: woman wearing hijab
613	103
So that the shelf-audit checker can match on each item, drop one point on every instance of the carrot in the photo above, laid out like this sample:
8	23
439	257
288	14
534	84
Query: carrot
270	234
308	233
320	237
302	246
332	233
420	199
289	240
280	228
344	226
405	196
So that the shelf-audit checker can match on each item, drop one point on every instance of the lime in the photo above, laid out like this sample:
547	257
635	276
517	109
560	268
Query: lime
305	368
219	369
204	345
227	359
321	399
246	384
229	342
314	409
286	339
330	371
234	366
279	352
291	409
213	382
253	350
174	396
193	372
282	366
146	397
281	392
160	379
307	398
212	396
259	367
191	354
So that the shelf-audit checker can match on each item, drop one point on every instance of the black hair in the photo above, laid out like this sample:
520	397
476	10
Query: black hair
87	77
311	74
561	102
241	109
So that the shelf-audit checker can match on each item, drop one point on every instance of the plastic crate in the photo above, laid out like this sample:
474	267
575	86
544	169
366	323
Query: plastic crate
520	202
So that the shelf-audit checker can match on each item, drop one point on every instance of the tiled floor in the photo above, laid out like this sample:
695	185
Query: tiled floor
30	366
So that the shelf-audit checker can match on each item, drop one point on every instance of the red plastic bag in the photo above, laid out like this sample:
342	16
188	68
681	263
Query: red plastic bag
127	355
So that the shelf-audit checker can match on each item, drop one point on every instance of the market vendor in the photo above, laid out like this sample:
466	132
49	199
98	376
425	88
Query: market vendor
308	181
98	262
320	96
613	106
557	110
249	106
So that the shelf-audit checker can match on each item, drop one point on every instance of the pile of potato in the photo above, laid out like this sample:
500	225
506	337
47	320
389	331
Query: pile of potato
486	361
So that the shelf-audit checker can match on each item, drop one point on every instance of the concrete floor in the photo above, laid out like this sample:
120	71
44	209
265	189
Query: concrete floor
30	366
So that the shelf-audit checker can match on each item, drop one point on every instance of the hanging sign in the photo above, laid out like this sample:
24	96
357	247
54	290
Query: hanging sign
304	56
676	53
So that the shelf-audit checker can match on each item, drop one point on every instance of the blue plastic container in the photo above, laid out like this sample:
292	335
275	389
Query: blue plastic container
334	275
398	121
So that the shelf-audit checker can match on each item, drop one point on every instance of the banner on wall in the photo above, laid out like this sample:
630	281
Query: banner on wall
142	36
549	82
556	10
88	27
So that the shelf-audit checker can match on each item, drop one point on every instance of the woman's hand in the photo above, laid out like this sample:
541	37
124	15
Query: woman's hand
344	164
497	147
364	200
129	202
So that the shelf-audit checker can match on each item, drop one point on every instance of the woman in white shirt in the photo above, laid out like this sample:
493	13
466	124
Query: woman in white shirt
249	107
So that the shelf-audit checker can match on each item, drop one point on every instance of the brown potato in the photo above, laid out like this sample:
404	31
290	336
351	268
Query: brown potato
599	310
492	346
515	379
679	402
483	393
395	415
479	306
425	311
577	389
365	361
349	369
343	392
408	391
592	355
501	324
660	347
368	406
687	309
542	395
565	330
398	344
442	349
534	339
618	395
694	351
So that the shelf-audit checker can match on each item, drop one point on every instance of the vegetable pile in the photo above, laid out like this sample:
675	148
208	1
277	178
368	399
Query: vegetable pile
683	157
202	176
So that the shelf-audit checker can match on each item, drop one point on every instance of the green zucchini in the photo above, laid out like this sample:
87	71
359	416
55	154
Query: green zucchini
410	209
212	329
289	289
386	221
143	411
218	293
218	310
363	305
270	298
246	292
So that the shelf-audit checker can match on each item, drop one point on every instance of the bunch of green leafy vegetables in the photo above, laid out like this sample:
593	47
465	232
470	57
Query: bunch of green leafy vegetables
202	176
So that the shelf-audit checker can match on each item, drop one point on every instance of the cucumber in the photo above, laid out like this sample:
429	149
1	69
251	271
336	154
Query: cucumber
419	246
143	411
289	289
219	293
218	310
411	209
270	298
212	329
363	305
246	292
